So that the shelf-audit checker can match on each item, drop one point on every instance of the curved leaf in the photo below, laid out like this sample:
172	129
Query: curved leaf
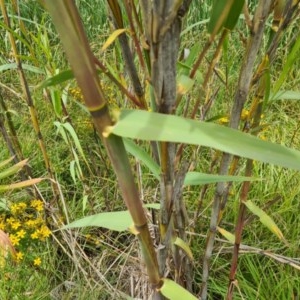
154	126
264	218
112	38
174	291
116	220
227	235
57	79
184	246
143	156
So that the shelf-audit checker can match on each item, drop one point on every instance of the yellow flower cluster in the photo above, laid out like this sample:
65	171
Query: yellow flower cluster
25	224
108	90
76	93
244	115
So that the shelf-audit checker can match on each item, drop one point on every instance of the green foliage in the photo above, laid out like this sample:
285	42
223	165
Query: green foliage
174	291
153	126
100	261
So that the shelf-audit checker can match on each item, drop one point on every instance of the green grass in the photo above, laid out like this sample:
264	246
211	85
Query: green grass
94	263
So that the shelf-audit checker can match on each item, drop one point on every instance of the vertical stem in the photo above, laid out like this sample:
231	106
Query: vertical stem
30	103
81	59
241	94
126	51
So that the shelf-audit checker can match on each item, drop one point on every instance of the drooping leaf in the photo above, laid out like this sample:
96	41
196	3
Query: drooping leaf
174	291
264	218
19	185
143	156
196	178
285	95
57	79
154	126
192	178
112	38
13	169
190	27
6	161
14	66
56	102
184	246
69	128
288	66
227	235
116	220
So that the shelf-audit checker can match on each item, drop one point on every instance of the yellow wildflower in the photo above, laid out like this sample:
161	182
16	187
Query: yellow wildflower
21	233
35	235
37	261
10	220
16	225
244	114
45	232
30	223
19	256
17	208
14	239
37	204
224	120
14	208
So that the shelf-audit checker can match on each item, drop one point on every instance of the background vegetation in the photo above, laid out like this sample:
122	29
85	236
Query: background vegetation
44	119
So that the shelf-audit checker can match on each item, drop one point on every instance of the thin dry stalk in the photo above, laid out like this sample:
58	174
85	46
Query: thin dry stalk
241	94
27	96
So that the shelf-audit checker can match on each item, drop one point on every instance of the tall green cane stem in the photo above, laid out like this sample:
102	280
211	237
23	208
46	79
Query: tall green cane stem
69	26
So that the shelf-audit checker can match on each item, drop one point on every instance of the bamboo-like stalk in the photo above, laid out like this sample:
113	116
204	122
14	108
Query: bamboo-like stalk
27	95
257	111
283	18
130	10
82	63
126	51
162	22
241	94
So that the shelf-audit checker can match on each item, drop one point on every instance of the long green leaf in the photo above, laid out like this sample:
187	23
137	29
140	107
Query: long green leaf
57	79
234	14
285	95
116	220
14	66
13	169
6	161
20	185
219	14
174	291
288	66
154	126
191	178
196	178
